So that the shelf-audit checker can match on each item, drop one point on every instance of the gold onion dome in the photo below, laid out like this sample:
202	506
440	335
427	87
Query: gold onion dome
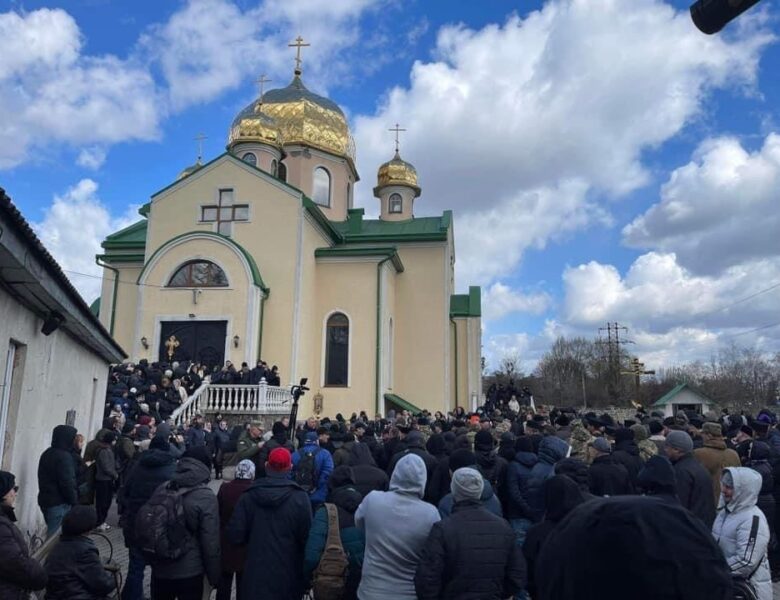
253	124
397	172
305	118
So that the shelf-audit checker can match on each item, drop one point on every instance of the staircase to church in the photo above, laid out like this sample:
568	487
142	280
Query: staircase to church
237	403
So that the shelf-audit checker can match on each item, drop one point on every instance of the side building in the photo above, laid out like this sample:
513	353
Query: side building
56	358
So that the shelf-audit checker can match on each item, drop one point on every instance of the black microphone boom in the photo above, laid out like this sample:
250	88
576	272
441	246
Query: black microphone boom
710	16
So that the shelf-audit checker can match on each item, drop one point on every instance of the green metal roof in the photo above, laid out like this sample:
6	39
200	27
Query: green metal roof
467	305
390	252
420	229
95	307
668	398
129	238
402	404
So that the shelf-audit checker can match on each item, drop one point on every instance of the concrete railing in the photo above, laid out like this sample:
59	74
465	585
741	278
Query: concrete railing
261	399
192	406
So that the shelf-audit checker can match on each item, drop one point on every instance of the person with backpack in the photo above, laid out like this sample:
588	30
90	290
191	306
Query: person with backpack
272	519
312	467
334	551
152	468
178	529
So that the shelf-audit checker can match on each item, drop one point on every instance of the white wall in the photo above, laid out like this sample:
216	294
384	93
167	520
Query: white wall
685	397
53	374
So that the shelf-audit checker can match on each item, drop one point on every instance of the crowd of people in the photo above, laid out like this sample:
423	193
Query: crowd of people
488	505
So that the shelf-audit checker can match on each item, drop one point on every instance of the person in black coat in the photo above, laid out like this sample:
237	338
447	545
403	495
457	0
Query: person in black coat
658	479
595	553
18	572
578	472
472	554
73	566
757	458
694	484
273	519
561	496
626	452
367	476
57	484
153	468
606	476
415	444
492	466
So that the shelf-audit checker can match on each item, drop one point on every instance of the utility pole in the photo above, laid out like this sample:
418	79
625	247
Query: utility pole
613	345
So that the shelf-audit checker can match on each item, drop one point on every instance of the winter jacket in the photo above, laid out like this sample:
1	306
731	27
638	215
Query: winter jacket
471	555
76	572
742	531
489	501
152	469
261	457
221	439
758	460
562	495
247	448
56	470
647	448
106	464
493	469
233	557
415	444
694	488
396	524
518	473
626	453
18	572
323	467
715	457
607	477
195	438
576	470
658	479
580	438
272	519
366	475
551	450
346	499
201	513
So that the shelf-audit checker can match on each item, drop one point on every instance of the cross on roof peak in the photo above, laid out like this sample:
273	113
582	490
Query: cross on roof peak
199	138
299	43
397	129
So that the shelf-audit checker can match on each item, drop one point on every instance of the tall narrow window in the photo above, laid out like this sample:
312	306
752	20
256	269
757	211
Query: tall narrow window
337	350
396	203
321	187
281	171
250	158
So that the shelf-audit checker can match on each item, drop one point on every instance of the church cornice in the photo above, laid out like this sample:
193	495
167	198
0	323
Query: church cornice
376	252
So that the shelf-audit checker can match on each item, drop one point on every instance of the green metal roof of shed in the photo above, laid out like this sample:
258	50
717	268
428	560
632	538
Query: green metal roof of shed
668	398
133	236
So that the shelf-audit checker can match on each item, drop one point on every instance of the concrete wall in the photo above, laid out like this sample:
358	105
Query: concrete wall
53	374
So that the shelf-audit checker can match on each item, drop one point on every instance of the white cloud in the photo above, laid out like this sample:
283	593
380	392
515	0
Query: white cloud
500	300
72	229
719	210
50	91
91	158
572	93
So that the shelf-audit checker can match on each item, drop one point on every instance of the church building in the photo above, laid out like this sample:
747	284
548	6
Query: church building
260	253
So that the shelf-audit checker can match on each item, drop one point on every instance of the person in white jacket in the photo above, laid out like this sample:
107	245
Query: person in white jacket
741	529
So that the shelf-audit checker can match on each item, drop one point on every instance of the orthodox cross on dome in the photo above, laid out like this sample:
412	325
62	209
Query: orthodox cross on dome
199	138
298	44
397	130
261	82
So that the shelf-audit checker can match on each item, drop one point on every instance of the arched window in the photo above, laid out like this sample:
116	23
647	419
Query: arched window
250	158
199	273
396	203
321	187
281	171
274	166
337	350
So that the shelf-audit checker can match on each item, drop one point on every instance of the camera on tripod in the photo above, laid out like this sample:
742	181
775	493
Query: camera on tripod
296	391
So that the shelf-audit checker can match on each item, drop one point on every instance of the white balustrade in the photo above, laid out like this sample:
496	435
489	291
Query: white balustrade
246	399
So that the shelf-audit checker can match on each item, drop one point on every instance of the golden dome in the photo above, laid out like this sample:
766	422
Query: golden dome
254	125
306	118
397	172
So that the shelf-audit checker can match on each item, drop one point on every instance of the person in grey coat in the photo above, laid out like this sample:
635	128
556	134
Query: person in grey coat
397	523
183	578
741	529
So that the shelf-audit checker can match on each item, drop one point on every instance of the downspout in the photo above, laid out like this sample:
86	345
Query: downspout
113	294
455	326
379	329
260	331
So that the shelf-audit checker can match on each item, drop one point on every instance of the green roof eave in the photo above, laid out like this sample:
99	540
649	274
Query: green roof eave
403	404
311	207
256	277
129	238
144	210
390	252
669	396
424	229
121	258
467	305
95	307
369	238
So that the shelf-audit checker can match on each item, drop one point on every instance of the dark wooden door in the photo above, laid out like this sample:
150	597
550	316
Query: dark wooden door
198	341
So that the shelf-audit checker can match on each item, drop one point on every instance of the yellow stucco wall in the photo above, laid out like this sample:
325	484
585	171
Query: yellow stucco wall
300	171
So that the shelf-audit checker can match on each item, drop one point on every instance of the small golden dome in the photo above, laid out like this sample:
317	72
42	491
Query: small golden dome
397	172
253	125
189	170
306	118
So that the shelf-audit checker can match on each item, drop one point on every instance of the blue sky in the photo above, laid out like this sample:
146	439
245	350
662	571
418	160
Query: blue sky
604	159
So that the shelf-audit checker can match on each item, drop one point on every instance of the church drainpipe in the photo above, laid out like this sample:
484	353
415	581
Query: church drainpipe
260	333
113	294
455	327
379	330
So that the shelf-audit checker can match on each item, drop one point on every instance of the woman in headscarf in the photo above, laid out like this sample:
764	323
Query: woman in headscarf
233	557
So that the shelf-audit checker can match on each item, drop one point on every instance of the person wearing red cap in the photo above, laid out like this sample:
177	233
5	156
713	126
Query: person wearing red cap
273	519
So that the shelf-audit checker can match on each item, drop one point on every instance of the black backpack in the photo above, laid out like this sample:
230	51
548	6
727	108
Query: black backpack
305	473
160	525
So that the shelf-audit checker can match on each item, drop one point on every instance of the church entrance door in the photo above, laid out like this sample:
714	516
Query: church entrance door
197	341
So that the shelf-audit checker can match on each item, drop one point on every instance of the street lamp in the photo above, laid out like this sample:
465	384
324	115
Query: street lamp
710	16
